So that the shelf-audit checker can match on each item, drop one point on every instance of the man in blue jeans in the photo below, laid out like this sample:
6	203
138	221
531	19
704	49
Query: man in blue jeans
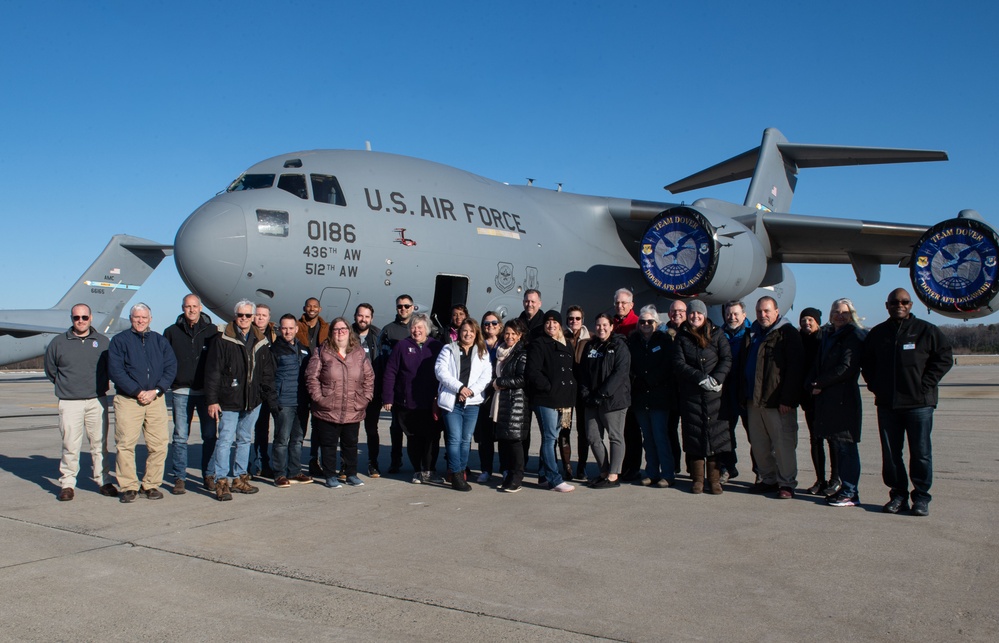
290	358
238	377
904	360
190	338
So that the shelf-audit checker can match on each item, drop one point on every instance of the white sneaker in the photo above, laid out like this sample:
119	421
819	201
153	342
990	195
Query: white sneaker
417	478
483	478
564	487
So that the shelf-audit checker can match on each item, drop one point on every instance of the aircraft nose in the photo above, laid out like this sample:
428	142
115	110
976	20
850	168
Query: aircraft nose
210	251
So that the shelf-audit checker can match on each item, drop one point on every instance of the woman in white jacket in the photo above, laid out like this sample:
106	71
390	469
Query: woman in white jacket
463	370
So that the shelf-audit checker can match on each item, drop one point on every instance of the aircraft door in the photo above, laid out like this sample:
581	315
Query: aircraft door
334	302
448	291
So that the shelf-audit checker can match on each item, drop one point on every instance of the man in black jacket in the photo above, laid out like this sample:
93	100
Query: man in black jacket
238	376
190	338
904	360
368	334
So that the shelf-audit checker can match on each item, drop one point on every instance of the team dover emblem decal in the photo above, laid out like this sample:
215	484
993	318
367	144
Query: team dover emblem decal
954	265
679	254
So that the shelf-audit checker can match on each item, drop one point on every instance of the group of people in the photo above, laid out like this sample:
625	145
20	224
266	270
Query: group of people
672	390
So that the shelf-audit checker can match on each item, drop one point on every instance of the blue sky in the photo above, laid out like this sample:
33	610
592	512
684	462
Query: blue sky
126	116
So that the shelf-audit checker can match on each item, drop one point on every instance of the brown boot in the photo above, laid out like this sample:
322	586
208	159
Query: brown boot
696	468
209	483
714	476
222	489
242	484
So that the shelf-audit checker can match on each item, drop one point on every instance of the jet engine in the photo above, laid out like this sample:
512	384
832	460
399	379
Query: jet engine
953	267
688	251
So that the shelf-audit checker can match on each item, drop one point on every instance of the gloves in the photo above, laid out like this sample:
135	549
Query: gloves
710	384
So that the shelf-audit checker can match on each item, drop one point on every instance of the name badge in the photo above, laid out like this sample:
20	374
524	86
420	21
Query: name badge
235	383
908	347
655	349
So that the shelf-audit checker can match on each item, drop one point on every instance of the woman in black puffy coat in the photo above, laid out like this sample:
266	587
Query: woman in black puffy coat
836	393
701	360
509	404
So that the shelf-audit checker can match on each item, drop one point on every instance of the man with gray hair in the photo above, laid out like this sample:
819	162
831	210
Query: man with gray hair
77	363
238	376
142	366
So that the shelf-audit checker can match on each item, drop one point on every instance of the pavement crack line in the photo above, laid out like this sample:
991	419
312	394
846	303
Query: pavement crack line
112	542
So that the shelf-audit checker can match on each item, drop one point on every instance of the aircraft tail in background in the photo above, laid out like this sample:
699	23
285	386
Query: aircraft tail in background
106	286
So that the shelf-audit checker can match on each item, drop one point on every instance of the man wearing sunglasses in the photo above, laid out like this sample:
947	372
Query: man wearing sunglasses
904	360
394	332
238	377
77	363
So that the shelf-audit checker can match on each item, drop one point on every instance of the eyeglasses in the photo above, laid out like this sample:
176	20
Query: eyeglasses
899	302
245	315
674	313
81	317
575	318
341	329
647	322
403	306
490	323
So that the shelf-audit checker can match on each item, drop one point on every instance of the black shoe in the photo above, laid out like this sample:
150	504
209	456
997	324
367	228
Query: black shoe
817	488
920	507
763	487
127	496
267	472
895	505
395	468
109	490
832	489
630	476
733	473
513	488
315	470
606	483
152	494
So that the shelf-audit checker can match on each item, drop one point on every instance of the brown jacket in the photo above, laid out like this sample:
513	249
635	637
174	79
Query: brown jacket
303	332
340	387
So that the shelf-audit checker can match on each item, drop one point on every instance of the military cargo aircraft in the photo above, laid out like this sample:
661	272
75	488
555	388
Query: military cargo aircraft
359	226
106	286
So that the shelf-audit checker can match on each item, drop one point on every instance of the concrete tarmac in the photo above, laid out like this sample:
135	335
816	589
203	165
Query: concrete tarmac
394	561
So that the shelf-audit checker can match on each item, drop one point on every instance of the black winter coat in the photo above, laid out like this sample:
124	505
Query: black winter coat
550	382
705	420
838	410
512	410
605	374
652	383
904	362
238	377
191	346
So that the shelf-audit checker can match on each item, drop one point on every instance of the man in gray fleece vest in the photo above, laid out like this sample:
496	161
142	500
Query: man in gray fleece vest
77	363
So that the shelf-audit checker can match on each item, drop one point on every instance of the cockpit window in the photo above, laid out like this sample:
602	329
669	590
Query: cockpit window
326	189
251	182
294	183
273	223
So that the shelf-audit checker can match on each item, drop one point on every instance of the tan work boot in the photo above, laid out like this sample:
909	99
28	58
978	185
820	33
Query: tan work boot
222	489
209	483
242	484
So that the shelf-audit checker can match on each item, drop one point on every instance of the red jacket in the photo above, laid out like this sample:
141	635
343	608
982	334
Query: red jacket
340	387
624	327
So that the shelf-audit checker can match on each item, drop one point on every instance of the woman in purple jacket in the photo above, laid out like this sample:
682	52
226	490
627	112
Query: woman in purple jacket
411	385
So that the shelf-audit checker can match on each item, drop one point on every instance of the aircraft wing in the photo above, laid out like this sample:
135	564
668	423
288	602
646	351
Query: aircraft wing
798	238
23	323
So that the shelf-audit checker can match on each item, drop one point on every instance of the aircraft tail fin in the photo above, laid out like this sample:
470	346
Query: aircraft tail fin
774	165
114	278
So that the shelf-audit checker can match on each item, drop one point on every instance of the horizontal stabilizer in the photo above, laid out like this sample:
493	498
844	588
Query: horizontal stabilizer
801	155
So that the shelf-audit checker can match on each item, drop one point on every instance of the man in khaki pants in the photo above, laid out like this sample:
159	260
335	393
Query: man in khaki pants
77	363
142	366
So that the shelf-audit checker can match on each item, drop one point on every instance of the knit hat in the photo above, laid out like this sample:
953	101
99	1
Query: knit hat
814	313
554	314
696	306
